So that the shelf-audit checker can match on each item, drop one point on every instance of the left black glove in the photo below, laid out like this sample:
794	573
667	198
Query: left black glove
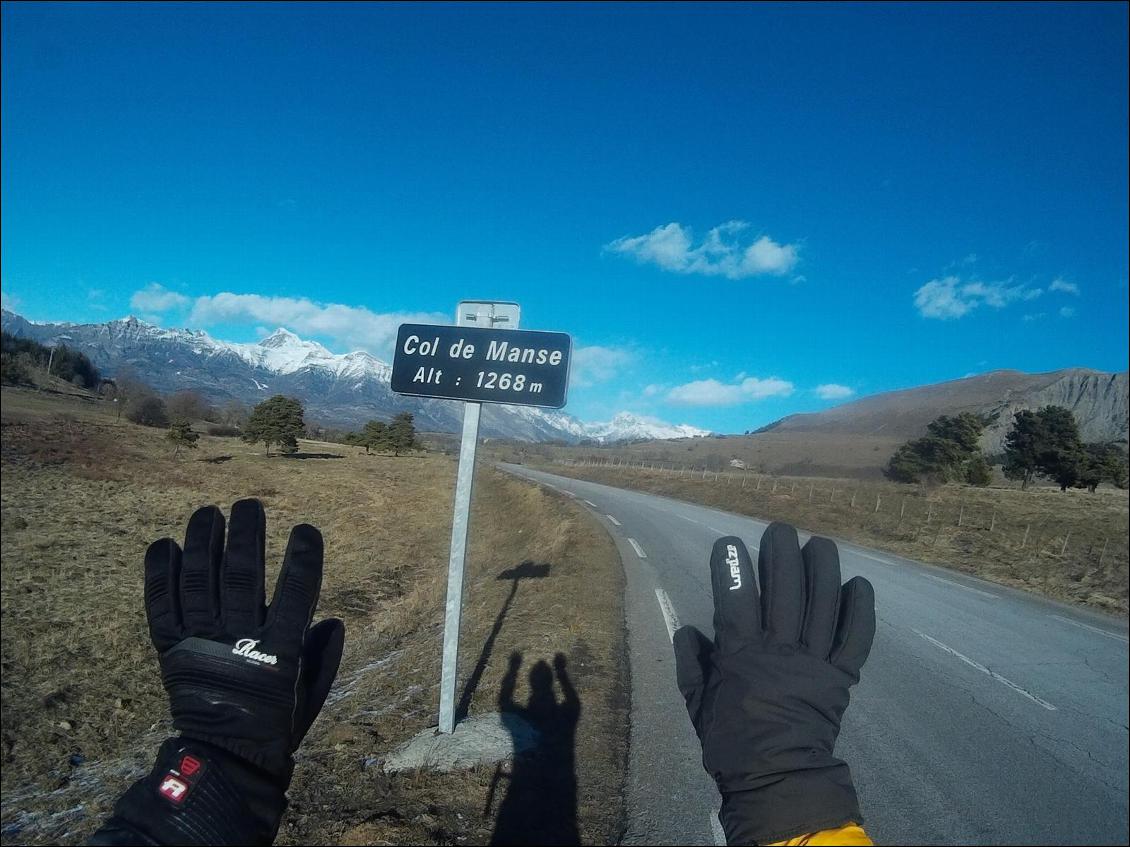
245	681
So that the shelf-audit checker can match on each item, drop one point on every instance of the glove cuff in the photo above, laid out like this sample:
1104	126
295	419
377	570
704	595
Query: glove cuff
198	793
788	805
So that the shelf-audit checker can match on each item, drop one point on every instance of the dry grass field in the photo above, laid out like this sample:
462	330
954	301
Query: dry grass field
852	456
1068	545
83	708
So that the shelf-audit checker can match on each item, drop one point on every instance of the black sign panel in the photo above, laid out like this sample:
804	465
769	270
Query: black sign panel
519	367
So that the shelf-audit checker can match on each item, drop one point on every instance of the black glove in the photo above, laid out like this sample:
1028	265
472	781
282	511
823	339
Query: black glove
767	696
245	682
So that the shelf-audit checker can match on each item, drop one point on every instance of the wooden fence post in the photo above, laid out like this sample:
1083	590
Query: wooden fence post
1063	550
1103	553
853	497
961	515
878	500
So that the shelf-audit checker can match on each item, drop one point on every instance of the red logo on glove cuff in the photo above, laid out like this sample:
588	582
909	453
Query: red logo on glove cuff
176	785
173	789
189	765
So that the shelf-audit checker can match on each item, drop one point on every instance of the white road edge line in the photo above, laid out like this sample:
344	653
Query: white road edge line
669	616
978	666
988	594
591	503
614	521
717	831
716	529
636	546
1113	635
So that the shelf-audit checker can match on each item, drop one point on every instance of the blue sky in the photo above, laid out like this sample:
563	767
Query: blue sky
737	211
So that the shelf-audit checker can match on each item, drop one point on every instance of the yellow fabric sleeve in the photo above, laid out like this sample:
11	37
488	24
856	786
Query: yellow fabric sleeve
852	834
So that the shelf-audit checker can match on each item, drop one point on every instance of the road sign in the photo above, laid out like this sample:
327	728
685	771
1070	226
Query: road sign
477	362
484	365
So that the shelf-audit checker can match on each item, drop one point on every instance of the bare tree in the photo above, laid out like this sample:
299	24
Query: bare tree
189	405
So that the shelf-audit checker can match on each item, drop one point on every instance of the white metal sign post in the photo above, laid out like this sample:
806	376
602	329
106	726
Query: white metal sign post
484	358
484	314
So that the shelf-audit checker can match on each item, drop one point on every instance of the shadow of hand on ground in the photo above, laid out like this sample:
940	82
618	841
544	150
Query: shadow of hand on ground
526	570
540	806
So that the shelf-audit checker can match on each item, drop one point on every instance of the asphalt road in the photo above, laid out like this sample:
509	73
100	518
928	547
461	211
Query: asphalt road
984	715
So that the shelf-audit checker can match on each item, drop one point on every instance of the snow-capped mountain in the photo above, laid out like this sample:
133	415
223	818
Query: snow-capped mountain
337	389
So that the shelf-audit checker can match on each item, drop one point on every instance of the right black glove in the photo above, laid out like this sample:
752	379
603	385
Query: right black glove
767	696
245	681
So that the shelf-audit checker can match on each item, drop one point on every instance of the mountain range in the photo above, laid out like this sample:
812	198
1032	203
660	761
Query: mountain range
337	389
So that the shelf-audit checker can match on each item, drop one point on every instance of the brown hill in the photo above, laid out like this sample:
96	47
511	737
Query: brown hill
856	439
1098	400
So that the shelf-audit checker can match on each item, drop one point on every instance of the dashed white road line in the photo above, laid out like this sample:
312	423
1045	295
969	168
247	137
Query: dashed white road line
1008	683
717	831
873	558
614	521
669	616
988	594
636	546
568	493
1113	635
716	529
591	503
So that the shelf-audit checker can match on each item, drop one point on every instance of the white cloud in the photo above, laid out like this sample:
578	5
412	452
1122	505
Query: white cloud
1061	284
949	297
7	301
595	364
832	391
652	389
1067	312
352	327
721	252
711	392
699	368
156	298
1033	316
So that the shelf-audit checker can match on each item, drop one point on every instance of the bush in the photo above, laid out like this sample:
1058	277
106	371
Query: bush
14	369
225	431
978	471
148	411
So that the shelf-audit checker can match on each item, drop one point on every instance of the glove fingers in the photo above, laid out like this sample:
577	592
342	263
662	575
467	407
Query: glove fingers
200	571
737	610
856	627
822	584
781	570
296	593
321	657
243	597
162	593
692	660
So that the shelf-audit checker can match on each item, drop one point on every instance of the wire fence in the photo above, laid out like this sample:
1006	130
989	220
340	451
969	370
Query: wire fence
1086	534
